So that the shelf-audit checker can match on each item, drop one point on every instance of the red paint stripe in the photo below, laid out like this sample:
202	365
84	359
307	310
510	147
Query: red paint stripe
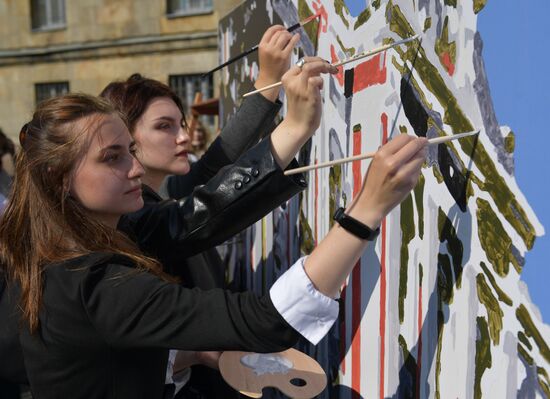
356	285
333	59
369	73
384	120
447	63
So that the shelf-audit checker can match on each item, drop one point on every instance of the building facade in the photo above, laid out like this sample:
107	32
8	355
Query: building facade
51	47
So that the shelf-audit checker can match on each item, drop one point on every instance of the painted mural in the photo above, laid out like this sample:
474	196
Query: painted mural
435	308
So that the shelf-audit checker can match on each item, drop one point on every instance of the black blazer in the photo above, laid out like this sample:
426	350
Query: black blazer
170	230
105	329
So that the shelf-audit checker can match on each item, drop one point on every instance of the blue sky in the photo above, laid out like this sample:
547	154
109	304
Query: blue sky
516	54
517	59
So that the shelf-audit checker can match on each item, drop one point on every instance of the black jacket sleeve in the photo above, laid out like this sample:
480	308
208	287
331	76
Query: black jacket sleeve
132	309
254	120
12	368
239	195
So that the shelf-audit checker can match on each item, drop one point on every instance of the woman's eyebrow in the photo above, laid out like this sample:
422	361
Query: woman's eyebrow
165	118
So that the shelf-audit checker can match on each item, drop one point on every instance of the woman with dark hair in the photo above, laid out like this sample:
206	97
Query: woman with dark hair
156	120
98	315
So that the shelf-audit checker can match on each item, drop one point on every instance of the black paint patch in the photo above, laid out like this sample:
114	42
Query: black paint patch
348	82
455	181
414	111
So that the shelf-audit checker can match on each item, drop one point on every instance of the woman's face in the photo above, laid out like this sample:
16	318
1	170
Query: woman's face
107	181
162	140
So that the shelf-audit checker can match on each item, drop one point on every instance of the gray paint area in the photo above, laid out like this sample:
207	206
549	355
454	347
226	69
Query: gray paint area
483	94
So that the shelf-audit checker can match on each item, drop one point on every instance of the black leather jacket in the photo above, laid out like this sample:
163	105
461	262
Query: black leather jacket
239	195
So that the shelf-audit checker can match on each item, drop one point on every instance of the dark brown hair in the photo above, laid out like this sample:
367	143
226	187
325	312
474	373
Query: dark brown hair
42	223
132	96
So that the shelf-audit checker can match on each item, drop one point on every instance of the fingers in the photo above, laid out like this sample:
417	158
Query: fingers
281	39
270	32
409	150
291	44
395	144
410	171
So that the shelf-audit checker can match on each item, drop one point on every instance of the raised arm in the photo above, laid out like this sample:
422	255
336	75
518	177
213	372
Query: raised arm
254	119
239	194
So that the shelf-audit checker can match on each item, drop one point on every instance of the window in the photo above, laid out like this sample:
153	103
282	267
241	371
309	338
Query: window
47	14
43	91
188	7
186	86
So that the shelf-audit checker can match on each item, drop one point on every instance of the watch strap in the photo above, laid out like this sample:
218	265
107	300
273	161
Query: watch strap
354	226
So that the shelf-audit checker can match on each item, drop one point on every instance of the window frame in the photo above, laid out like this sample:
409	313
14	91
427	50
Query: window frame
48	26
53	86
181	13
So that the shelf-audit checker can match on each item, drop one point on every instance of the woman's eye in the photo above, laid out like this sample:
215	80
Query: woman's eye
164	126
133	151
111	157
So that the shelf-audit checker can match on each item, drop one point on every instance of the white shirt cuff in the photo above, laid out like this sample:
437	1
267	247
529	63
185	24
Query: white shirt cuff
307	310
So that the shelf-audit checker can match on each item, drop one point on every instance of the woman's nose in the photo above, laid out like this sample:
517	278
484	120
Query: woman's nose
136	170
183	136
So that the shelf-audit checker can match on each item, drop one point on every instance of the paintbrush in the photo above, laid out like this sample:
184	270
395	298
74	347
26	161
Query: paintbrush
364	54
434	141
257	46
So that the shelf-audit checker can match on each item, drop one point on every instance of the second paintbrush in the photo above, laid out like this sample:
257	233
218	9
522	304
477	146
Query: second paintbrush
255	48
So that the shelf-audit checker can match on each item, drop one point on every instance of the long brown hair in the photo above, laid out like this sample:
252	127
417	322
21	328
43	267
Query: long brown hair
43	223
132	96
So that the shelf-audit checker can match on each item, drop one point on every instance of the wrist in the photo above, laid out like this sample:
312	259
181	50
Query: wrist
271	94
369	216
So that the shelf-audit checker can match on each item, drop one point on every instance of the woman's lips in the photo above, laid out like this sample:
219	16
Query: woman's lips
134	190
182	154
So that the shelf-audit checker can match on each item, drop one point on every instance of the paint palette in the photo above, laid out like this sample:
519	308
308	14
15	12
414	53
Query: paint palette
292	372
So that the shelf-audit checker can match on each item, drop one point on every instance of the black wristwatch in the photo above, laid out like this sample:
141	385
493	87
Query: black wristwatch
354	226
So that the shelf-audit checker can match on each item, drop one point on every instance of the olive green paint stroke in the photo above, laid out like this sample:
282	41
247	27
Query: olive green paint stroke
494	183
362	18
427	24
311	28
531	331
494	240
307	242
420	274
442	44
494	312
524	340
375	4
545	385
407	234
483	355
500	293
419	202
410	366
478	5
339	7
510	142
349	51
447	233
450	3
335	186
525	355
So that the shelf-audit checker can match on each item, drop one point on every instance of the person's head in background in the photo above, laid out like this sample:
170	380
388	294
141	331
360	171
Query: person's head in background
199	138
156	120
7	154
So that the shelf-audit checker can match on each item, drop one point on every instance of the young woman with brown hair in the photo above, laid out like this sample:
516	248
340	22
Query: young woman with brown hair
156	120
98	315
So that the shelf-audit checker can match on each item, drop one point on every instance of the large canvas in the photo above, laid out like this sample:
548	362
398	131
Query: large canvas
435	308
